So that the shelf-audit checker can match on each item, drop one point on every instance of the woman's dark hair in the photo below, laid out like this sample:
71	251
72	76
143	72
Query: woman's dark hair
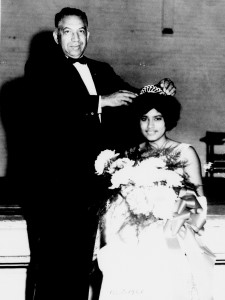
70	11
168	106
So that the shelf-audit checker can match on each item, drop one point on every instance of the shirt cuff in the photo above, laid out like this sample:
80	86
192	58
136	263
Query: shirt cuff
100	105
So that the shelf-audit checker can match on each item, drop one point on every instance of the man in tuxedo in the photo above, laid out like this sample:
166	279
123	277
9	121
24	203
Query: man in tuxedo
74	108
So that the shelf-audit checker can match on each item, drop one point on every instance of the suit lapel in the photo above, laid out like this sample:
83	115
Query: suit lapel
73	76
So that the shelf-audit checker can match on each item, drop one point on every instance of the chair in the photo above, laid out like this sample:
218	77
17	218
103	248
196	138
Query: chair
213	139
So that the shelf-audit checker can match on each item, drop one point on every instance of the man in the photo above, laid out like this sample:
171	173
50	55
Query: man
66	124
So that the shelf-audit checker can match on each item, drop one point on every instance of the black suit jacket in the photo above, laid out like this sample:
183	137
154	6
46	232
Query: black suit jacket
62	135
61	138
64	115
53	137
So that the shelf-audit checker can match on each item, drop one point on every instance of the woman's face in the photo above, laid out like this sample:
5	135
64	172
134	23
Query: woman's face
153	126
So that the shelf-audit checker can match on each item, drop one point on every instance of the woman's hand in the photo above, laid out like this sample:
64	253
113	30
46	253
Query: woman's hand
167	86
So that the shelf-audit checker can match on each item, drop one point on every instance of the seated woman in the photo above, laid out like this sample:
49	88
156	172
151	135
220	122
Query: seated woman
148	245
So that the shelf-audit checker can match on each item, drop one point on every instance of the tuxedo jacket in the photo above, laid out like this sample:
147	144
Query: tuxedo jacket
59	138
63	114
61	134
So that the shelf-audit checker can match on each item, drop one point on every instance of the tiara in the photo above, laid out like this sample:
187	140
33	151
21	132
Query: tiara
151	89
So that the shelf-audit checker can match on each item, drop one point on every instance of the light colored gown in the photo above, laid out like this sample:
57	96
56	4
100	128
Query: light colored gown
149	265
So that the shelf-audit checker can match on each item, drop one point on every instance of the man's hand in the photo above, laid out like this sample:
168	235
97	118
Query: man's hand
119	98
167	86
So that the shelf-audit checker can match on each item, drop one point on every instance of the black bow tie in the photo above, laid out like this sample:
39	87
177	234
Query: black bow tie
82	60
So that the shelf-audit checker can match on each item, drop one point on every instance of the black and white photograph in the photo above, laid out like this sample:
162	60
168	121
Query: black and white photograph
112	150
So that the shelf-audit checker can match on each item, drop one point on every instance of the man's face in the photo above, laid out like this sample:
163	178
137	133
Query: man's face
72	35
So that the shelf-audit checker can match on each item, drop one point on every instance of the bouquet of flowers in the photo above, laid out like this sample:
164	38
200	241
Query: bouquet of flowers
149	186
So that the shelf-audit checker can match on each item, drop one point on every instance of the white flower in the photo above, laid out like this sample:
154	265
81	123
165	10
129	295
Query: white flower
208	166
121	177
143	176
158	200
147	172
164	201
103	159
153	162
171	178
139	201
119	164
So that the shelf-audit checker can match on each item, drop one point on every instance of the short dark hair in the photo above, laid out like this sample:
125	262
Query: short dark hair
70	11
168	106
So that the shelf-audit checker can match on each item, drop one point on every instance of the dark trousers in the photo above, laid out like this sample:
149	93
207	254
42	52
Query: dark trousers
61	230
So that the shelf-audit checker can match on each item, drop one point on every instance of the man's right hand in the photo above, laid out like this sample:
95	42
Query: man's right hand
122	97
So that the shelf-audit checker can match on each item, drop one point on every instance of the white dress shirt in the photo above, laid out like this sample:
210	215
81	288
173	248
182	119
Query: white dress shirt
88	81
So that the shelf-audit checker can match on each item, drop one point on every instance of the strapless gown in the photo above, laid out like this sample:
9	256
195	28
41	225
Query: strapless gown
145	268
149	264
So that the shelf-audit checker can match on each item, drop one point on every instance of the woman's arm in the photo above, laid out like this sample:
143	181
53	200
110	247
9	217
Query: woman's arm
193	169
